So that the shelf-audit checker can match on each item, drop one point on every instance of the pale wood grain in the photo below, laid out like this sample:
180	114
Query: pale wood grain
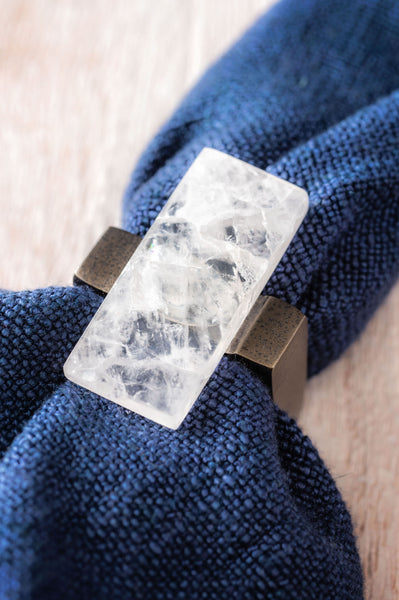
84	86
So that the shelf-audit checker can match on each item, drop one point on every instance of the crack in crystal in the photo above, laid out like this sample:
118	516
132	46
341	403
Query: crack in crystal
181	298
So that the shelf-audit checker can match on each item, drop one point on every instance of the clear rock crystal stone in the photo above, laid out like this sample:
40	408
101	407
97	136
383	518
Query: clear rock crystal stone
172	313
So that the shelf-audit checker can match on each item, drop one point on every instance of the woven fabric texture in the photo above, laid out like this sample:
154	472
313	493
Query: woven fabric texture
100	503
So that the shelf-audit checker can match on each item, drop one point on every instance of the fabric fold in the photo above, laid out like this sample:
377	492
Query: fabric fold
100	503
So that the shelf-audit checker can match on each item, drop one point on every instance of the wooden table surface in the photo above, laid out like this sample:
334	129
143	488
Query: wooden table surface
84	86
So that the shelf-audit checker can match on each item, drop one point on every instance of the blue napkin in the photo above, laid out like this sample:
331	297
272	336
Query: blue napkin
99	503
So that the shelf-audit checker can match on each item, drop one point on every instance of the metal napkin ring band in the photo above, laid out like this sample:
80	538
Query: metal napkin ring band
193	283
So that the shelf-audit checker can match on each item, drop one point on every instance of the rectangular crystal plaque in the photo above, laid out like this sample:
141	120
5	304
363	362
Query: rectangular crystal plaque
172	313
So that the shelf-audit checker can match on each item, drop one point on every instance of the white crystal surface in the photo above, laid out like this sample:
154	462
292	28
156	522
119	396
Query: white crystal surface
172	313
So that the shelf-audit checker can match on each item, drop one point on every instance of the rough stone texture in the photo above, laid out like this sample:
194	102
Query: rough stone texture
181	298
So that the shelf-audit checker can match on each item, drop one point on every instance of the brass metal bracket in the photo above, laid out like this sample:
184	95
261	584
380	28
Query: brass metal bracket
273	338
105	262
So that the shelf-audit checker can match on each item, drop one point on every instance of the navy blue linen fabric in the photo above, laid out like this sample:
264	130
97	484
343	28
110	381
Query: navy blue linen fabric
99	503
